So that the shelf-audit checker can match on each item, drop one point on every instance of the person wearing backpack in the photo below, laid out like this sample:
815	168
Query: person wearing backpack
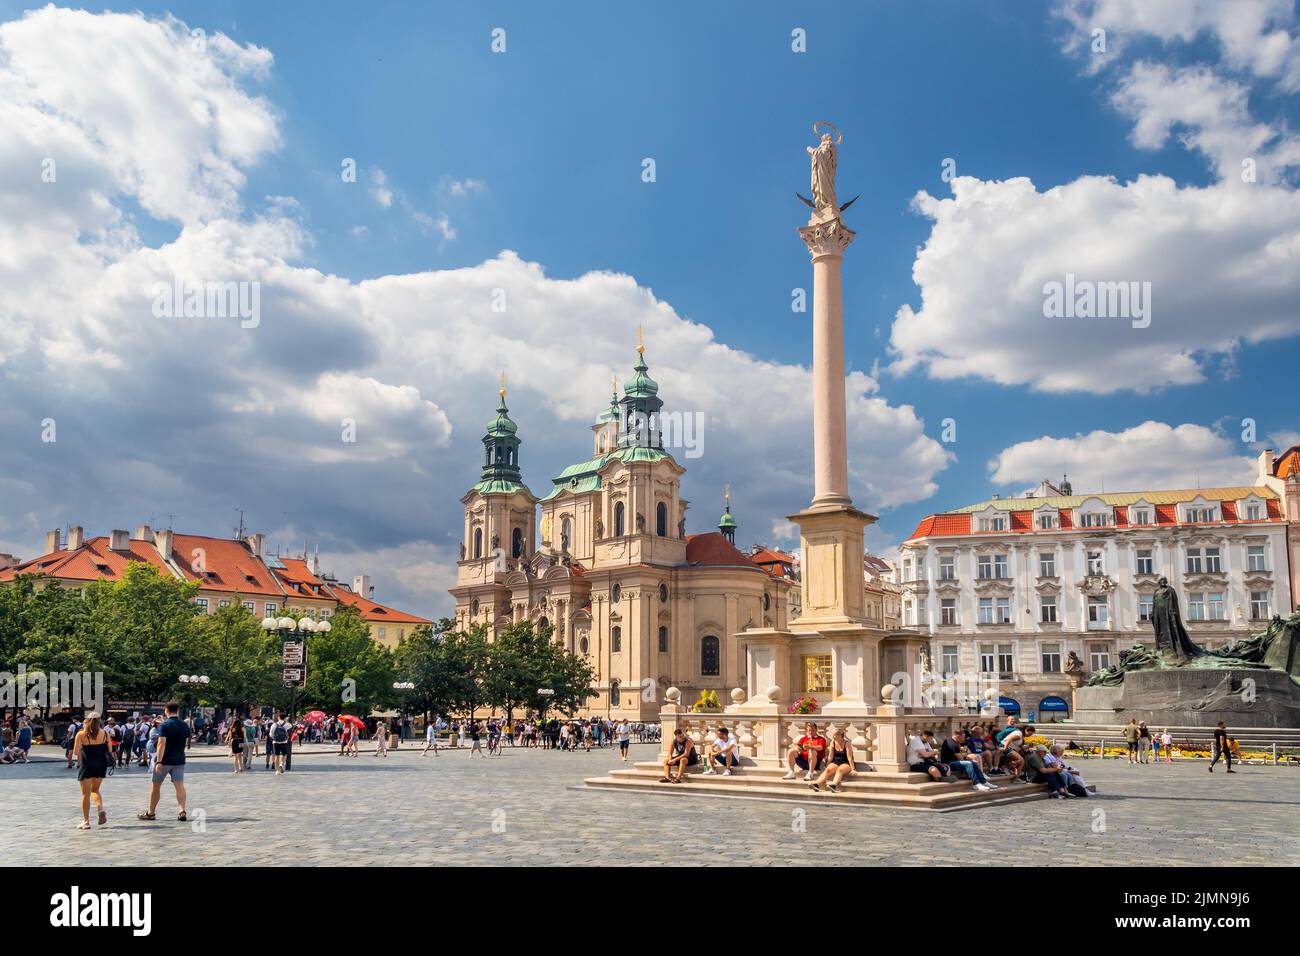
280	730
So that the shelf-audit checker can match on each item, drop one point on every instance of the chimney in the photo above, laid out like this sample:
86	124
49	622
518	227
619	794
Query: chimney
256	543
163	541
1264	469
361	585
76	537
120	540
52	541
7	561
144	533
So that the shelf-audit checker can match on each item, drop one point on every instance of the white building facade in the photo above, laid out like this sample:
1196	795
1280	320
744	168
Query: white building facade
1009	589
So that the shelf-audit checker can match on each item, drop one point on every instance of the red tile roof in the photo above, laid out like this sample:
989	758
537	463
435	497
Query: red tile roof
776	563
372	611
300	581
960	523
712	549
92	561
222	564
1287	463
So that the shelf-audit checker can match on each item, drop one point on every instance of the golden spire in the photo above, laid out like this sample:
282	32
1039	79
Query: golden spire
640	341
726	496
503	385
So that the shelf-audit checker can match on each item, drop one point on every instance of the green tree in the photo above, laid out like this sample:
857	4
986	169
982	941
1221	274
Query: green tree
466	657
141	631
422	658
242	660
346	669
524	660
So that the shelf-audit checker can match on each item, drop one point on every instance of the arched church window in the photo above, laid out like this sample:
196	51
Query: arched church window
767	601
663	593
620	515
710	656
584	645
615	694
473	608
616	639
542	624
616	594
517	543
478	542
663	640
566	534
661	520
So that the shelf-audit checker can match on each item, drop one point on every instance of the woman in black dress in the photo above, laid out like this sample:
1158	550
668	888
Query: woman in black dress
235	737
91	749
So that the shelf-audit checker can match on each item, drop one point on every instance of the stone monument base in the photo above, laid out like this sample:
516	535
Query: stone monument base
1194	697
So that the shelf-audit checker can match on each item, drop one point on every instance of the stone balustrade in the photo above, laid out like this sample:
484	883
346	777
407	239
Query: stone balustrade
765	733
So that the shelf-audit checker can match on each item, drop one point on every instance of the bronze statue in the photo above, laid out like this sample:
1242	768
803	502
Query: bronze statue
1167	622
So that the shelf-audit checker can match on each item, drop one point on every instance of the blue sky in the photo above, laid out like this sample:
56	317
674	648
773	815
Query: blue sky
546	142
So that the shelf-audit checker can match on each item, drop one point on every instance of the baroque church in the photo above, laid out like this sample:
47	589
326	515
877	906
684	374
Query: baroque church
614	573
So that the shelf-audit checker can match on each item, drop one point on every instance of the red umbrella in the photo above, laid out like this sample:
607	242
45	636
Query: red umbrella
349	719
316	717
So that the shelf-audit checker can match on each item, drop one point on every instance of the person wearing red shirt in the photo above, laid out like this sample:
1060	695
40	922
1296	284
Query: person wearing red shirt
807	754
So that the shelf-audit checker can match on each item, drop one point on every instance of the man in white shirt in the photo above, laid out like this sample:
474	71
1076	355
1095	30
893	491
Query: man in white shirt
923	758
624	738
723	751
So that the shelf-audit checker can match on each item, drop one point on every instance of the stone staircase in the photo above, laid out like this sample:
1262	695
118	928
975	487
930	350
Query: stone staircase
866	788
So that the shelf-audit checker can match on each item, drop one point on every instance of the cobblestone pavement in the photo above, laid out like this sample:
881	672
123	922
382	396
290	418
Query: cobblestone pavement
523	808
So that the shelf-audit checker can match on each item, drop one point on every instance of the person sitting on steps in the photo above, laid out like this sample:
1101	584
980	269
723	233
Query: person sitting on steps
840	765
806	754
681	754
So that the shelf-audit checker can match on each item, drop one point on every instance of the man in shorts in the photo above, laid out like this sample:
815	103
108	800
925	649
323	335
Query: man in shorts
807	754
624	738
169	761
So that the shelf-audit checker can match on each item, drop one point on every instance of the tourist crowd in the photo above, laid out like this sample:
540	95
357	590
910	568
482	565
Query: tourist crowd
974	753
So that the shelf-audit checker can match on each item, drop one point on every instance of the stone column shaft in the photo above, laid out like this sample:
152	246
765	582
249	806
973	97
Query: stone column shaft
827	238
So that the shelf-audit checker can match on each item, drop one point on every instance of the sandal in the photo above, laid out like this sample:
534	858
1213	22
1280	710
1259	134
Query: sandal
181	816
664	780
103	817
145	815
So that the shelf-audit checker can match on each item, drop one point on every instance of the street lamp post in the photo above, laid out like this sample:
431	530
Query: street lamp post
402	685
293	659
194	681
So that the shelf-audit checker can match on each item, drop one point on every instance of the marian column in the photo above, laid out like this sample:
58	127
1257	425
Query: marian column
830	528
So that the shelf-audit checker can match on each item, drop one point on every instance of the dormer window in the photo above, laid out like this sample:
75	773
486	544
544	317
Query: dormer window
1139	514
1047	521
1094	519
1198	514
993	523
1251	509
